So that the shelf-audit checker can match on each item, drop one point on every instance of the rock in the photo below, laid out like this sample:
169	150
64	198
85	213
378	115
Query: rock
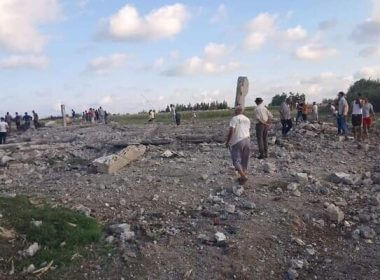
367	232
30	268
32	250
248	205
237	190
292	274
376	178
36	223
269	167
167	154
292	186
310	251
5	159
341	177
296	264
110	239
299	242
204	238
83	209
123	202
118	229
112	163
204	177
355	234
364	218
335	214
127	236
220	237
230	208
296	193
302	177
7	233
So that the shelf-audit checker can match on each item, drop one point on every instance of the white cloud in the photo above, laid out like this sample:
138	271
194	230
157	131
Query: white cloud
220	14
106	100
19	20
164	22
208	63
367	72
105	64
370	51
24	61
369	30
259	30
213	50
314	52
296	33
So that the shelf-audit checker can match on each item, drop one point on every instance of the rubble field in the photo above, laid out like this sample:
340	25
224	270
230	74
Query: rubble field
175	211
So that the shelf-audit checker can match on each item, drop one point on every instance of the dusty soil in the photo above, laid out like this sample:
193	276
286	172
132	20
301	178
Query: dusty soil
176	205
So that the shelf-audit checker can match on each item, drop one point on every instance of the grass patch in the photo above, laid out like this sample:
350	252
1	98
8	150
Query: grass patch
58	225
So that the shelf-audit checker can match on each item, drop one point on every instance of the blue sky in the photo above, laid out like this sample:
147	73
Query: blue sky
133	55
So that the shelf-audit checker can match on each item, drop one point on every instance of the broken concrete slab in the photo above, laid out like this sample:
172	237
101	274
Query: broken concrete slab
113	163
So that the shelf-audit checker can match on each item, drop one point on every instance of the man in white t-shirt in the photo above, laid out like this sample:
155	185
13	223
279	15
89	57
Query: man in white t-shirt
3	130
315	114
263	117
357	117
238	141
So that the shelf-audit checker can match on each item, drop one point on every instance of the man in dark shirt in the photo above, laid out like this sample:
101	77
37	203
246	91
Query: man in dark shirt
18	121
26	118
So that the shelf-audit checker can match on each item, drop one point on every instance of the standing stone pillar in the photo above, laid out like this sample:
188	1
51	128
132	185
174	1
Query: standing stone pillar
241	91
63	111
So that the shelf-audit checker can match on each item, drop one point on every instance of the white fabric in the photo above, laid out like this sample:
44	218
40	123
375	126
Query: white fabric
356	110
262	114
315	109
241	125
285	111
3	127
151	115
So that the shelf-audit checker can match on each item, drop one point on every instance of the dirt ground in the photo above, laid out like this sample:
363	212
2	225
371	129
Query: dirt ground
175	205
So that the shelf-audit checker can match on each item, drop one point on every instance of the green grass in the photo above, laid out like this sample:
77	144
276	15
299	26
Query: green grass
55	229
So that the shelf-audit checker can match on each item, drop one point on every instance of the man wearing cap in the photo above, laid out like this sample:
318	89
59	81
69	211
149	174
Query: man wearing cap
238	141
263	117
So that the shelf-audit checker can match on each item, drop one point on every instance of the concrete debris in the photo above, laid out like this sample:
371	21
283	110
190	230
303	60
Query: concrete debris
32	250
113	163
335	214
220	237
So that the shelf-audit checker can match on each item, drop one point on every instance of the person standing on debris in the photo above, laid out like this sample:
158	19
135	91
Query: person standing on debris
238	142
73	114
367	120
342	114
36	120
151	115
26	118
8	120
286	119
4	127
178	118
101	115
172	112
194	117
263	117
18	121
357	117
315	112
300	109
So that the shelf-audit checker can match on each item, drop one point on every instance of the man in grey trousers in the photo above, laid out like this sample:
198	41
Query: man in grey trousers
238	141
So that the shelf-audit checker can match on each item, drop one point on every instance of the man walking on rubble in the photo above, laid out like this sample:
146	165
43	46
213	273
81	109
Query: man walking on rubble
286	119
26	118
18	121
8	120
3	131
357	117
367	120
238	142
36	120
263	117
315	114
342	114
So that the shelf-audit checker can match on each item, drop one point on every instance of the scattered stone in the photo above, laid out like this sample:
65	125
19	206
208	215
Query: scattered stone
367	232
335	214
296	264
230	208
248	205
110	239
269	167
204	177
341	177
5	159
220	237
123	202
292	274
36	223
168	154
83	209
292	186
302	177
238	190
296	193
299	242
30	269
355	234
310	251
7	233
32	250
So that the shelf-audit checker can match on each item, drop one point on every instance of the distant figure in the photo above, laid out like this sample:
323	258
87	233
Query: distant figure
367	121
36	120
173	113
238	142
300	109
286	119
73	114
3	131
8	120
194	117
304	112
315	114
342	114
101	115
333	110
26	118
151	115
105	117
263	117
17	121
177	118
96	115
357	117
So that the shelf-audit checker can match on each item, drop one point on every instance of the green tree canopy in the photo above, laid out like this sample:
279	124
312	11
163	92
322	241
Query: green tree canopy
368	88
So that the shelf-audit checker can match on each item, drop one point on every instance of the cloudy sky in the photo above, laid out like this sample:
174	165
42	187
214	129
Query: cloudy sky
133	55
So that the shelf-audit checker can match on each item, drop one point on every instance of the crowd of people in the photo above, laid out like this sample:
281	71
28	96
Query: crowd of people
93	115
238	139
21	123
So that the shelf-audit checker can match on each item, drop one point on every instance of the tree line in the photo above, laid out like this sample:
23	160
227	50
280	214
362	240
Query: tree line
203	106
294	98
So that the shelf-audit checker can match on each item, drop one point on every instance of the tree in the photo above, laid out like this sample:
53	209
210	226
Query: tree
278	99
368	88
